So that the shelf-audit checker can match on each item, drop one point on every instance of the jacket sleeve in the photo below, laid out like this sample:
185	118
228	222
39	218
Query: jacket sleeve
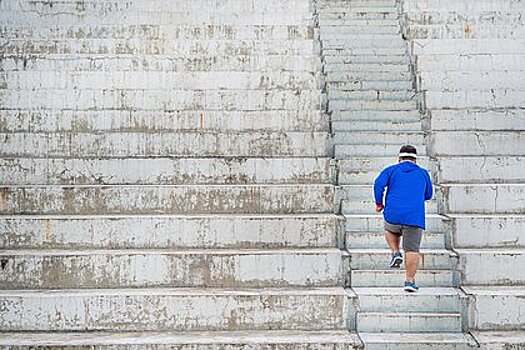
429	190
379	185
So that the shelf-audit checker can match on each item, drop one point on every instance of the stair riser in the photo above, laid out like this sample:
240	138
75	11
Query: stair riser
370	224
364	51
492	268
364	59
484	199
342	105
487	232
410	324
369	115
409	303
169	232
349	151
357	125
380	261
340	32
352	207
365	41
164	171
365	138
162	99
142	312
371	95
167	200
363	240
425	279
155	80
497	312
131	145
363	84
482	143
44	121
479	169
369	76
375	164
106	270
199	62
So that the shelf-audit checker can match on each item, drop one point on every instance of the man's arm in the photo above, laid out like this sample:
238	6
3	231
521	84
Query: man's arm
429	189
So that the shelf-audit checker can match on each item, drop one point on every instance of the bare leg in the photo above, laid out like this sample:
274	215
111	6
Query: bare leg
393	241
411	262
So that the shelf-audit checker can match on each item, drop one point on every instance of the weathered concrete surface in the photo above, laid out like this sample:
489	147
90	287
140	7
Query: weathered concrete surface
488	231
375	222
408	322
378	259
178	144
52	269
502	340
484	199
207	199
481	169
165	171
395	278
169	232
427	341
492	266
478	119
274	340
174	310
161	121
496	308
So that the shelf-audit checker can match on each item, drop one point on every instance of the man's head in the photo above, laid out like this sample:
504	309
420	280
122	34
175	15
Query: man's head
408	152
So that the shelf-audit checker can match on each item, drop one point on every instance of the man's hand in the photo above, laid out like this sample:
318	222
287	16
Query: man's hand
379	207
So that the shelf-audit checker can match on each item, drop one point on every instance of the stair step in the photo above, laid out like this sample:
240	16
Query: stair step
419	341
174	310
384	105
359	3
378	259
357	67
363	240
169	232
318	340
375	115
392	300
338	17
363	75
365	41
351	151
363	192
361	138
185	199
395	278
164	171
176	144
66	269
198	121
372	95
500	340
408	322
375	222
366	59
367	51
375	164
358	125
366	206
339	32
363	84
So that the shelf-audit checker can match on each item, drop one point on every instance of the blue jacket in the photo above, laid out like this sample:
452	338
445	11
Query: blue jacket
408	187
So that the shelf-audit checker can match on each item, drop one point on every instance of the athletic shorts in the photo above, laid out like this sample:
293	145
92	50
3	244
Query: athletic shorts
411	235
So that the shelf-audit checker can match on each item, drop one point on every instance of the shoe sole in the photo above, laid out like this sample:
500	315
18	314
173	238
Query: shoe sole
411	289
396	263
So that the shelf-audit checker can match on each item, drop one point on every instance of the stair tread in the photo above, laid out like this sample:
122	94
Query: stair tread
454	337
433	291
182	338
180	291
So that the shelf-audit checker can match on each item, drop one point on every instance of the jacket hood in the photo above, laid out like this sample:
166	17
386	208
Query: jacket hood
408	166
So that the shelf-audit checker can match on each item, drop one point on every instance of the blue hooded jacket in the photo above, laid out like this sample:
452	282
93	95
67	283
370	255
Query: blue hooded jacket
408	187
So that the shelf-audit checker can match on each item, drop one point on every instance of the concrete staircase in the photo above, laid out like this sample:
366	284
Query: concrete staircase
468	70
374	110
166	178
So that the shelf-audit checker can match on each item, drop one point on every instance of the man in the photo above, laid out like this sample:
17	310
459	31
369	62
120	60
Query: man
408	186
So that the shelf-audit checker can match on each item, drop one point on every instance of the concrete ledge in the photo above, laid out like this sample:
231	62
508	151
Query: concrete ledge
503	340
238	340
174	310
169	232
184	199
63	269
484	198
481	169
488	231
165	171
496	308
477	143
167	144
478	119
492	267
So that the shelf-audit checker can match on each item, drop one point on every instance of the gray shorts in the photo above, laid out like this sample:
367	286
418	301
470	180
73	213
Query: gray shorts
411	235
